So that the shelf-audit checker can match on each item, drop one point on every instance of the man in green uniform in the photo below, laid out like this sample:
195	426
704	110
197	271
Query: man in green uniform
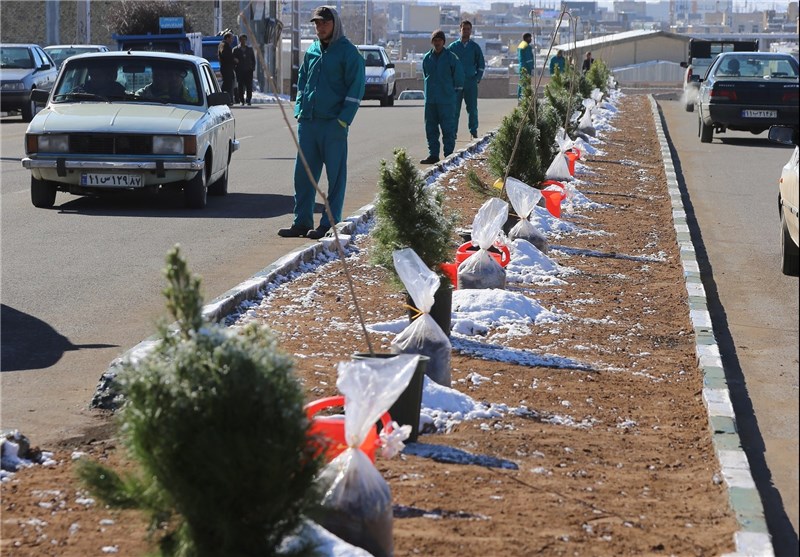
525	58
473	64
444	79
330	86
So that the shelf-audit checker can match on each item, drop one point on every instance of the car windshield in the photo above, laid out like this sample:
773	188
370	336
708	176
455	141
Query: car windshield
780	67
372	58
16	57
59	54
122	79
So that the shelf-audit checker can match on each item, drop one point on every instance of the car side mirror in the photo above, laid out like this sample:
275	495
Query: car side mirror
40	96
44	67
390	66
785	135
218	99
684	65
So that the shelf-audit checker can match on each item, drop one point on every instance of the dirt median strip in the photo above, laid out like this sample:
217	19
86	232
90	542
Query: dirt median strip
633	453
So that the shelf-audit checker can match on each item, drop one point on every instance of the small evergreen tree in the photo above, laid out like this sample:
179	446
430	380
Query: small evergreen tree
215	422
527	164
558	94
598	75
410	215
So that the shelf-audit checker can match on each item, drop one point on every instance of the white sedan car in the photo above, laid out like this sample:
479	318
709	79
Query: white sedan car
788	200
131	121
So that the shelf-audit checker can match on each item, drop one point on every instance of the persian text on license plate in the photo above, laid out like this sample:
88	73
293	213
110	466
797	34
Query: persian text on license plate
112	180
759	113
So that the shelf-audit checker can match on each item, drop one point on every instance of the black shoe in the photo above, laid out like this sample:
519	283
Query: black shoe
474	135
432	159
318	232
249	103
293	231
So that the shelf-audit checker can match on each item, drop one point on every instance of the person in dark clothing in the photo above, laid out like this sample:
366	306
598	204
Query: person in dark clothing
245	65
227	64
587	62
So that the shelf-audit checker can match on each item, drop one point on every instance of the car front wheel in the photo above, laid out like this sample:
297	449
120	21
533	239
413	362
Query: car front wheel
789	251
220	187
43	193
29	110
195	191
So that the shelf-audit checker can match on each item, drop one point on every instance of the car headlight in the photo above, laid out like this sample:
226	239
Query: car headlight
373	80
55	143
167	145
13	86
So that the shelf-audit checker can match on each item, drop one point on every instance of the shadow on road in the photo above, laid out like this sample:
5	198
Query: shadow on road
170	204
30	343
784	538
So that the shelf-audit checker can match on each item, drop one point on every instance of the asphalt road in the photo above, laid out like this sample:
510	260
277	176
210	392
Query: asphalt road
81	283
732	201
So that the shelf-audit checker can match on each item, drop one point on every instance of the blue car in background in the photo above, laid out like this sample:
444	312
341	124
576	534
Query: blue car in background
24	68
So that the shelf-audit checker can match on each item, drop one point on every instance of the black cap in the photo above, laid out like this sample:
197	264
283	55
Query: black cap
324	13
438	34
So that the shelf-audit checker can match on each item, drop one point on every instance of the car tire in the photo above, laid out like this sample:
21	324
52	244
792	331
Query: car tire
689	107
220	187
790	253
706	132
43	193
195	191
29	110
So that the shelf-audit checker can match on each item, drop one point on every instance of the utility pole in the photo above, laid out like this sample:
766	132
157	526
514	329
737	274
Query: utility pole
83	16
53	22
295	34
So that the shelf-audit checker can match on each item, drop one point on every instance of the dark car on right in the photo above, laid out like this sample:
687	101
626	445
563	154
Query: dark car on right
748	91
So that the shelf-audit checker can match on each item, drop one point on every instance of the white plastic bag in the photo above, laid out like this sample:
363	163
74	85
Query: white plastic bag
423	336
585	124
357	505
480	270
523	199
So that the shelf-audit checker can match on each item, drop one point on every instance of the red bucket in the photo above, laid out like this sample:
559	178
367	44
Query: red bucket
332	428
451	272
572	155
553	197
500	253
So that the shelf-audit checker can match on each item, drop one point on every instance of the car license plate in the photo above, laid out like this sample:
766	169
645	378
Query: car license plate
112	180
759	113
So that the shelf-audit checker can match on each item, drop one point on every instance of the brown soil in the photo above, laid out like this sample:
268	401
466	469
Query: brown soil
637	479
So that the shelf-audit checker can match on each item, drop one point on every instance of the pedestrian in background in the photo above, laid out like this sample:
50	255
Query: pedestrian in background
444	79
330	86
227	64
525	58
245	65
558	61
587	62
473	64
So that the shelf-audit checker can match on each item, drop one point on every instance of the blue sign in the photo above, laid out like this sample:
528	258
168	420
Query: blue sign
170	22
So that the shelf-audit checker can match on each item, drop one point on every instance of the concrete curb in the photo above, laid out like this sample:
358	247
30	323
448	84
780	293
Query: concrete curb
220	307
753	538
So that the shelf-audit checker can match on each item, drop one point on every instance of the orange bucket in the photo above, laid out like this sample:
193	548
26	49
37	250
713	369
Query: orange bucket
332	428
450	270
572	156
500	253
553	197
